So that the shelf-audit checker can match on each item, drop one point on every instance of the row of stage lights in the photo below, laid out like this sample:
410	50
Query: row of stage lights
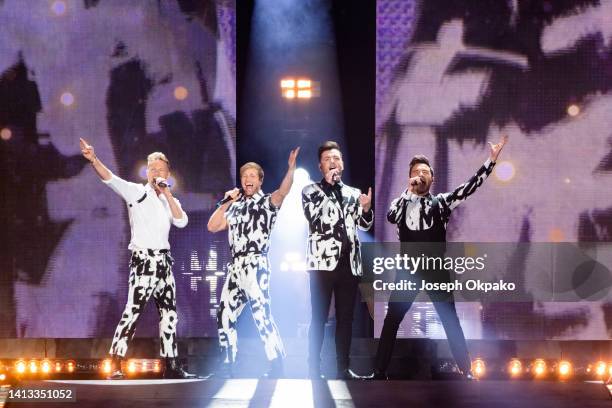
542	369
34	368
515	369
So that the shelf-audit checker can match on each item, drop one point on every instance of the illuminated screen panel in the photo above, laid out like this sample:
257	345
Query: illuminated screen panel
131	78
454	75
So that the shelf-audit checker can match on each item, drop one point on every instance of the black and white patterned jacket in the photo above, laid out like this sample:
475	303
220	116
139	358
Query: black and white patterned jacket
250	221
418	210
326	218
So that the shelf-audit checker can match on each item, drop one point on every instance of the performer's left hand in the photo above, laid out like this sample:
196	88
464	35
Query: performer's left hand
366	200
293	158
497	148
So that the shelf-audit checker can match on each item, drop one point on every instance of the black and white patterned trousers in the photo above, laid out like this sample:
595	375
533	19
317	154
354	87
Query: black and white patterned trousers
248	280
150	275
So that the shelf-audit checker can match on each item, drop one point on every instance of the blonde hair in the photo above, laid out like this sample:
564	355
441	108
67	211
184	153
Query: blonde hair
157	156
252	165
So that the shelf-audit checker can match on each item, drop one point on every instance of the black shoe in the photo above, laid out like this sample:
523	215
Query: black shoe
116	372
378	375
175	371
347	374
314	373
276	369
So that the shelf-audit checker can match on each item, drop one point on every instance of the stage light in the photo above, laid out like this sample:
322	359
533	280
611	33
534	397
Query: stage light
144	366
573	110
505	171
2	377
515	368
70	366
58	8
106	366
6	134
33	367
478	368
180	93
539	368
302	88
304	83
156	366
293	261
287	83
301	178
304	94
67	99
556	235
131	366
565	369
20	367
599	369
45	366
58	367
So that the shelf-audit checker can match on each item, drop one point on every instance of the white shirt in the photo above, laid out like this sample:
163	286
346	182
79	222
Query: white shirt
150	214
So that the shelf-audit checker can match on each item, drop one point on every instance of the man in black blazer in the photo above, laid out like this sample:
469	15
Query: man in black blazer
334	212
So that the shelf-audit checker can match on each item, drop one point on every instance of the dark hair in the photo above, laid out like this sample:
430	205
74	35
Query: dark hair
328	145
420	159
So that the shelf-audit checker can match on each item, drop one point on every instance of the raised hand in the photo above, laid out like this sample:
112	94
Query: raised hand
366	200
497	148
293	157
87	150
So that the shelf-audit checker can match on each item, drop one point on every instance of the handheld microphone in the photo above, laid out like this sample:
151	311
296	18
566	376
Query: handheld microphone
162	183
416	183
229	198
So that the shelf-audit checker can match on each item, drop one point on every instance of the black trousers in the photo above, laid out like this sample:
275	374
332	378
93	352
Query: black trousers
343	285
445	307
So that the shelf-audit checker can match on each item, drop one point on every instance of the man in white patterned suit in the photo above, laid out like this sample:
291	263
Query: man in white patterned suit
334	212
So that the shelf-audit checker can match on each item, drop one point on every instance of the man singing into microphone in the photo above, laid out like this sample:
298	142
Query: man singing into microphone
334	211
249	214
152	209
422	218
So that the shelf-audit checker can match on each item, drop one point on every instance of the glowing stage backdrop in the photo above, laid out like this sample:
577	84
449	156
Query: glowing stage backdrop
452	75
131	78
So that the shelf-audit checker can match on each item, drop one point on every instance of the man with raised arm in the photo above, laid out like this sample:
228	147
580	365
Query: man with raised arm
152	210
249	215
422	217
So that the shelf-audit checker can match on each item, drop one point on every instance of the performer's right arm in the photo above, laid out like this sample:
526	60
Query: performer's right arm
398	206
314	201
128	191
217	221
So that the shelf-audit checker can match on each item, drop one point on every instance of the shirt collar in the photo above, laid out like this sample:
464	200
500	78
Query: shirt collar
255	196
326	185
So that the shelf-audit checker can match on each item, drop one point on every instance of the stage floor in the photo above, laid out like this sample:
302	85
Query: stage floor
305	393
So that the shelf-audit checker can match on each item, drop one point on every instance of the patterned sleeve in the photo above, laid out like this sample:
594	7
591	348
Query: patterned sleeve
397	208
269	205
461	193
